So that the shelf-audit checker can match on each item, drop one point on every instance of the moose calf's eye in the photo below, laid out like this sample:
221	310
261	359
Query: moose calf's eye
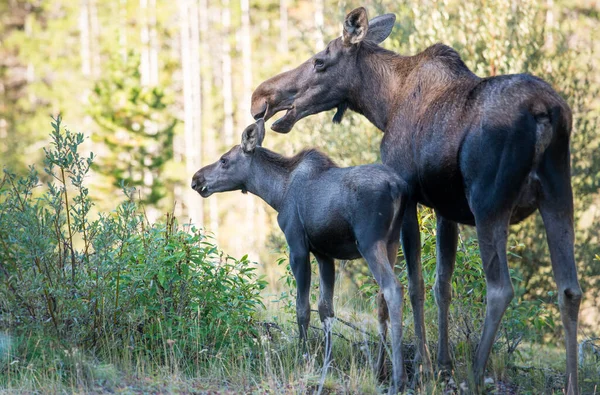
224	161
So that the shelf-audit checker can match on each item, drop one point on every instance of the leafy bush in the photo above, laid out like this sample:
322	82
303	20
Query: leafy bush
114	282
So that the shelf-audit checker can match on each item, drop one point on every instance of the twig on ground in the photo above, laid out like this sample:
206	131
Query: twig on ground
351	325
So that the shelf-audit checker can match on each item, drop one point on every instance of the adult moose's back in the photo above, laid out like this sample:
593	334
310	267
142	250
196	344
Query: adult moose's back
480	151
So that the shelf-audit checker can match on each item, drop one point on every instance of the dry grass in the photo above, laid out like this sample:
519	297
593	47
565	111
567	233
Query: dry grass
276	365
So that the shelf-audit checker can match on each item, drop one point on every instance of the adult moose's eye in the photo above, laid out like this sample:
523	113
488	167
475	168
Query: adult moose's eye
224	162
319	64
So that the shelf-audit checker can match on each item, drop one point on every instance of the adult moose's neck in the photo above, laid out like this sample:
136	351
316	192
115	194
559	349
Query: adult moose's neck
381	77
392	87
269	176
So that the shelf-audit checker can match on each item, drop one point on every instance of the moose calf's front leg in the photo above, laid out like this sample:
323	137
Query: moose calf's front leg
327	275
300	264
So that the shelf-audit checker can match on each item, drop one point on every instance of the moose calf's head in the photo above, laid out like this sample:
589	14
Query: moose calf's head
326	80
232	170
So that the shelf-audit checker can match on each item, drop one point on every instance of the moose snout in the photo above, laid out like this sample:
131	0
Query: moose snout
259	104
197	180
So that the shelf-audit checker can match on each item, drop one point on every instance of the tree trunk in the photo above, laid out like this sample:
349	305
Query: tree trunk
123	29
84	37
145	47
246	41
283	27
193	205
209	132
226	66
94	39
319	44
549	44
153	43
148	79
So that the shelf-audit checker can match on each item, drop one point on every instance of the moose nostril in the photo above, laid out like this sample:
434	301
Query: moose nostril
194	183
260	113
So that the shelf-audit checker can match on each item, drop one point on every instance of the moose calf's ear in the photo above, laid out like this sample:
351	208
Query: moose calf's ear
380	28
249	138
356	26
253	136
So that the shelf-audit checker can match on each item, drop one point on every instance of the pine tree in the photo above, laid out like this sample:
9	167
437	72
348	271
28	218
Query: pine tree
135	127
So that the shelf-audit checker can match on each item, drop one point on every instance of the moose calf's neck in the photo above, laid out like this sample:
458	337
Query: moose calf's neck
270	174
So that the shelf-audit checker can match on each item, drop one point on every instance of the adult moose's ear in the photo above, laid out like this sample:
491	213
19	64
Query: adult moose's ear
380	28
253	136
260	128
356	26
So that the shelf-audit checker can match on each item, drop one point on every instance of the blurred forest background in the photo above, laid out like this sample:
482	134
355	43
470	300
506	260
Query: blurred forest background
160	88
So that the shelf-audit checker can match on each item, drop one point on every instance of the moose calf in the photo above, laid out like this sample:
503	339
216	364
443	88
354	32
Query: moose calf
333	212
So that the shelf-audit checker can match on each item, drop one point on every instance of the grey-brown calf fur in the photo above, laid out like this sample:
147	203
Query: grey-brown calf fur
333	212
480	151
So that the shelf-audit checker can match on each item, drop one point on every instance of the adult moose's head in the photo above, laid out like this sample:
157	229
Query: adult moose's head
327	80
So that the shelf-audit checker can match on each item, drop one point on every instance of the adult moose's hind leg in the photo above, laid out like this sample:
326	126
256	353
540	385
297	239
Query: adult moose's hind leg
556	207
495	164
492	232
327	275
447	239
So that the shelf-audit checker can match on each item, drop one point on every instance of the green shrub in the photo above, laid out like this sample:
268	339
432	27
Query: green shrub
114	283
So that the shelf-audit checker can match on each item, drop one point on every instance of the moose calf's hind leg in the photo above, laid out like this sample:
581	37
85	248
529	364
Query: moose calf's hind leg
382	316
376	257
300	264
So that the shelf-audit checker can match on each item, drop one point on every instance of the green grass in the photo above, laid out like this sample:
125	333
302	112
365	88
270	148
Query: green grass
273	363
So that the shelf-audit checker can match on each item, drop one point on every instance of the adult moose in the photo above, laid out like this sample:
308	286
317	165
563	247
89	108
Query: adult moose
480	151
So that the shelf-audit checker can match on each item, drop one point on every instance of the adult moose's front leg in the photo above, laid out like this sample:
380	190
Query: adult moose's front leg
447	239
300	264
411	246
